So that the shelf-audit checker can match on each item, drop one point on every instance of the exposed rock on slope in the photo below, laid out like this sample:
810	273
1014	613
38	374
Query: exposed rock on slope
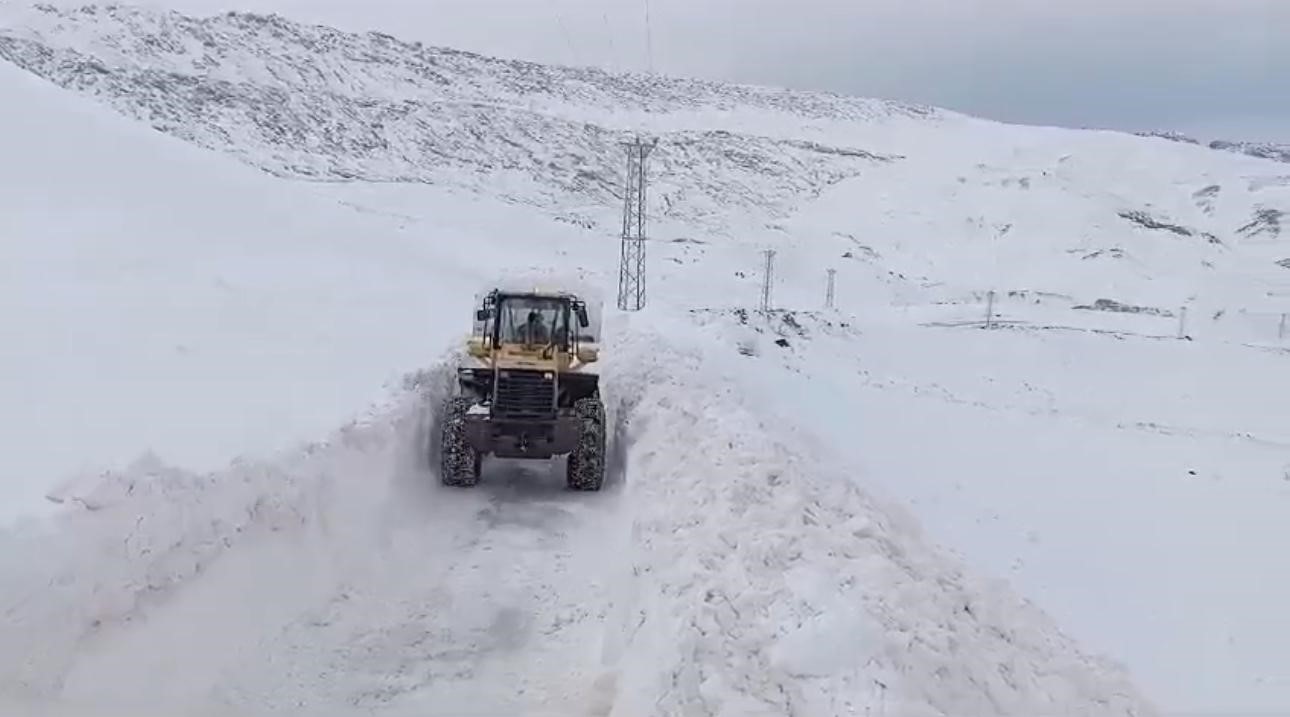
1264	150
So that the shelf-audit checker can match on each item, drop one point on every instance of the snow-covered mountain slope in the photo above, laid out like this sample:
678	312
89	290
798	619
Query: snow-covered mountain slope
745	575
1085	216
1091	215
310	101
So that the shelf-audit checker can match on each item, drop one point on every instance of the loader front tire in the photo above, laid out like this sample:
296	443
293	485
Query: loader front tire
586	463
459	463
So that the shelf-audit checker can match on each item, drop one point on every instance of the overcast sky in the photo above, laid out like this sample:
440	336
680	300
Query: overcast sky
1208	67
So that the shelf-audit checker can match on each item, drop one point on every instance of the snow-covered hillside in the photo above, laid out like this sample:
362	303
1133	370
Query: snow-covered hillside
1096	215
812	512
309	101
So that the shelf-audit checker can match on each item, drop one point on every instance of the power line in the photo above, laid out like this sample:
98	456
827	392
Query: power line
649	39
568	39
609	35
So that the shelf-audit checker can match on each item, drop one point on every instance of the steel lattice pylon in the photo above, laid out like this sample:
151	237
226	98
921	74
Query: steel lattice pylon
631	267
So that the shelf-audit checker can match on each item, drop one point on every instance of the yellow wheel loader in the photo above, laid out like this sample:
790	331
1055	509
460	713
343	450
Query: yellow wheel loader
528	389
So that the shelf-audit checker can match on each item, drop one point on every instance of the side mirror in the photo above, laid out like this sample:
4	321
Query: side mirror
581	310
482	314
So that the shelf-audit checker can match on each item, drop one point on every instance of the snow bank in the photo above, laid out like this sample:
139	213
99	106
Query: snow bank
766	582
1008	451
338	578
145	532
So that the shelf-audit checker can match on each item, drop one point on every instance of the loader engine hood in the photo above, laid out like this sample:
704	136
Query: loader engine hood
580	360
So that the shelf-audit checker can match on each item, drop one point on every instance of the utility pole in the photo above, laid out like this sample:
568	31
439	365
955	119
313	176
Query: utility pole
767	278
828	293
631	267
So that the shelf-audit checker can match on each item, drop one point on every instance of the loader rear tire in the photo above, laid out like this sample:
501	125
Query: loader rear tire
459	463
586	464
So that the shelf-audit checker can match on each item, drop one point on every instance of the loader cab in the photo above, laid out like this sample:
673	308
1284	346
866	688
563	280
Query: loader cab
531	328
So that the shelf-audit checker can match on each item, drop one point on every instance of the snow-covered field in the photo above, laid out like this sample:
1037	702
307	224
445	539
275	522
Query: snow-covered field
229	378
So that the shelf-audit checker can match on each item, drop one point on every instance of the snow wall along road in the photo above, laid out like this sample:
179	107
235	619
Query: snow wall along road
726	569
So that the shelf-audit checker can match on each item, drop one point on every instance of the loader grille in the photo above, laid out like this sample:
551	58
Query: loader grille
524	394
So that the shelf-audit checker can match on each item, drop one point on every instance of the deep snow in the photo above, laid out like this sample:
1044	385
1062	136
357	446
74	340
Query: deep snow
777	537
